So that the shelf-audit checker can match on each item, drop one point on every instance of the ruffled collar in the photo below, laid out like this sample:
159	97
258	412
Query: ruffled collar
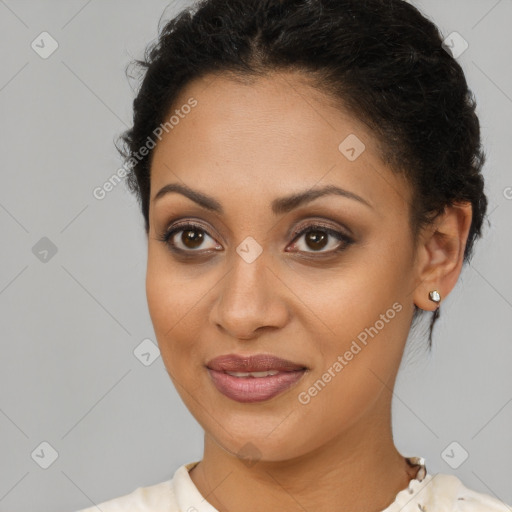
189	496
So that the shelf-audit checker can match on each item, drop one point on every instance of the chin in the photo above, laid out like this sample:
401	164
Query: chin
260	437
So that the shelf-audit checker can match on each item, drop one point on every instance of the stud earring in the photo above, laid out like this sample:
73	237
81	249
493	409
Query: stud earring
435	296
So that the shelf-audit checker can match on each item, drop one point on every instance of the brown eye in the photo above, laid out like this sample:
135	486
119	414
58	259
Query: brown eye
188	238
317	237
316	240
192	238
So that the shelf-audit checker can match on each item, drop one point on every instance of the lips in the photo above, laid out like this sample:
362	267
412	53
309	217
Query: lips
253	378
255	363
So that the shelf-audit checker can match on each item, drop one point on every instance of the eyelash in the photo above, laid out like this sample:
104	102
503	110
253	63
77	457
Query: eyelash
190	226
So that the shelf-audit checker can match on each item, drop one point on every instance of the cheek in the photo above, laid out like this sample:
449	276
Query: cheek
365	310
176	306
165	300
380	272
160	293
169	293
352	297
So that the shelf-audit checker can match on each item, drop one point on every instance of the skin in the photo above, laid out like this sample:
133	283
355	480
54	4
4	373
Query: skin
246	145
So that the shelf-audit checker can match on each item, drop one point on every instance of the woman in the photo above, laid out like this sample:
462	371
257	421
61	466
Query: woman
309	172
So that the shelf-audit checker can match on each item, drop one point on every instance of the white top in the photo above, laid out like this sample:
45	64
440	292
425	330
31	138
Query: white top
429	493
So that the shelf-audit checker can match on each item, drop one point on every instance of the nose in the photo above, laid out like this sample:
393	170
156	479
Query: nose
251	300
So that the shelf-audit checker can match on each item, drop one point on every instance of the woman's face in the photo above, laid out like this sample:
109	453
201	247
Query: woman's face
336	300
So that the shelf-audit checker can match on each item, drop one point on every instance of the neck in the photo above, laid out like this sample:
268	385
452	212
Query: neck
360	469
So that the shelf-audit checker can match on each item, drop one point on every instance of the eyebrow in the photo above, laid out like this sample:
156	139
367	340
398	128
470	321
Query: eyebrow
279	206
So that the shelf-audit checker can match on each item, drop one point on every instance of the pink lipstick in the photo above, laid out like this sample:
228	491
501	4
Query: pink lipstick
253	378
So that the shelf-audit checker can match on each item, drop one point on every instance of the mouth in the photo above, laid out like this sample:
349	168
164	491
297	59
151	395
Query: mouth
253	378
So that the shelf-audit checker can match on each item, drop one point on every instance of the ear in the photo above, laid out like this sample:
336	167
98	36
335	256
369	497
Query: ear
440	254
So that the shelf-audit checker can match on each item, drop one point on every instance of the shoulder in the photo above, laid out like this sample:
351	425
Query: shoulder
143	499
447	492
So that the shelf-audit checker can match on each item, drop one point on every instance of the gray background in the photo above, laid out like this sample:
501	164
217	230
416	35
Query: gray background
70	323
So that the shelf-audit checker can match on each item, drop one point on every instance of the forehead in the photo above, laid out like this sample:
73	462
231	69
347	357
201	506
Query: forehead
272	136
